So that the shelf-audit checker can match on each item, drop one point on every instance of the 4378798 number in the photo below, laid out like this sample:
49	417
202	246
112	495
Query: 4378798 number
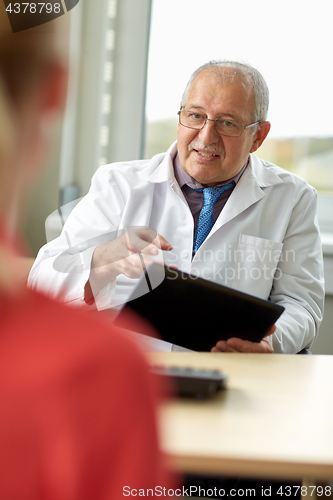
33	8
315	491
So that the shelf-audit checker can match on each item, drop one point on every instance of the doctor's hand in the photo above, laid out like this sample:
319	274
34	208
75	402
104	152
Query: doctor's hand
235	344
128	254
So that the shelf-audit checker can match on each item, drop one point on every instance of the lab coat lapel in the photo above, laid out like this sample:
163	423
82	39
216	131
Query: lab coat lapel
249	190
162	166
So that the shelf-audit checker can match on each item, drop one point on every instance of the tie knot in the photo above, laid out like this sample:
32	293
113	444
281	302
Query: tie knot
211	194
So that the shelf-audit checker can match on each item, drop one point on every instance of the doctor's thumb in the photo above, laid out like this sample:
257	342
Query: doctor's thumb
162	243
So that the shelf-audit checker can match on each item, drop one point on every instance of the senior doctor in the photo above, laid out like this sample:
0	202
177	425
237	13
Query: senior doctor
254	229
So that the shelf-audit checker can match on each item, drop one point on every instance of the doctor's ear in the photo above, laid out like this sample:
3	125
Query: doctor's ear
260	135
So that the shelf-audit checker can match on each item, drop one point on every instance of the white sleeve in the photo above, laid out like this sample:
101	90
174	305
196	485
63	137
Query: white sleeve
299	279
62	266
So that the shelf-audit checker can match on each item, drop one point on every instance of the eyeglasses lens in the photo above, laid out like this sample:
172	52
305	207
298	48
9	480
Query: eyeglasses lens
197	121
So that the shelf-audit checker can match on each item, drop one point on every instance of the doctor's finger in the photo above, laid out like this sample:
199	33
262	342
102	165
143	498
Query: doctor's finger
221	346
271	331
153	237
132	266
139	239
162	243
239	345
136	244
141	236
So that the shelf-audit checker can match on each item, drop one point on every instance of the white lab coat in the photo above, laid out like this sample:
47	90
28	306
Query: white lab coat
265	241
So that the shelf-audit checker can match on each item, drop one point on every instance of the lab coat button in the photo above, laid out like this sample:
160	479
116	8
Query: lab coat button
185	254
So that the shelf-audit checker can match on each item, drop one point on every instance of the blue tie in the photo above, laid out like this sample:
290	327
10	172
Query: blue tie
206	221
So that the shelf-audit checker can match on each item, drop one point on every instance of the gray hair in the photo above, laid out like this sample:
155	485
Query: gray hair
243	70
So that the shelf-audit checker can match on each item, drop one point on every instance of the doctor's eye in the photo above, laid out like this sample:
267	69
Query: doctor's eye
227	123
196	116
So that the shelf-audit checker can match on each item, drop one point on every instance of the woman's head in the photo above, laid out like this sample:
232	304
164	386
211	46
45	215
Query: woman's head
32	91
25	54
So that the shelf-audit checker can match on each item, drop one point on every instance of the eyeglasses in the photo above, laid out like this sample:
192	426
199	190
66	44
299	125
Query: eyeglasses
223	126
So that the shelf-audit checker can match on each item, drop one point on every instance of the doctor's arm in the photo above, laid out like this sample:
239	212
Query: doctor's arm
62	267
298	285
300	288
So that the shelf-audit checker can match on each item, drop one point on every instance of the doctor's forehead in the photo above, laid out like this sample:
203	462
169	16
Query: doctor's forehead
221	89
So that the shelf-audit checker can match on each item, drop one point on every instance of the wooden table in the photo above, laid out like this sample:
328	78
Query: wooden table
275	420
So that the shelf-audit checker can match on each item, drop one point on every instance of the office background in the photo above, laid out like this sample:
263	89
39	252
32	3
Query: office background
129	62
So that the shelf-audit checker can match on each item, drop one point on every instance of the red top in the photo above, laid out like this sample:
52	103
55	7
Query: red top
77	406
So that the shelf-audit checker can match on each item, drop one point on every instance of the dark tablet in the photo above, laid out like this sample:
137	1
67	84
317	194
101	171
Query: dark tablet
195	313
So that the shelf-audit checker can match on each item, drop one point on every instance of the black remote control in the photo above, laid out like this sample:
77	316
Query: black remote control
191	382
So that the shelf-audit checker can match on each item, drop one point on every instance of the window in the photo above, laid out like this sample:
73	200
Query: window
290	43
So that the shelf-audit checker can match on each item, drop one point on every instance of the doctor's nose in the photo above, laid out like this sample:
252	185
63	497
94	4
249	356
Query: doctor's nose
208	134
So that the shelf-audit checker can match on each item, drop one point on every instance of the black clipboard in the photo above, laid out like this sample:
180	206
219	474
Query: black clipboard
196	313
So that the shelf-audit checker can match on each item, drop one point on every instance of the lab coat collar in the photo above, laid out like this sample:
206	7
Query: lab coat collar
164	169
249	190
258	170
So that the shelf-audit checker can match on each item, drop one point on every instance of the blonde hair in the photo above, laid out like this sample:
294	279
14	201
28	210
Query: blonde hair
23	56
